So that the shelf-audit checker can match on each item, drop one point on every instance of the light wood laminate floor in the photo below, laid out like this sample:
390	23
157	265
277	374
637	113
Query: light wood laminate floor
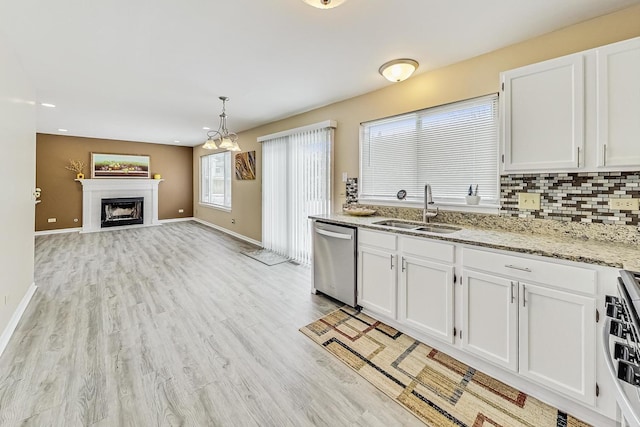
172	326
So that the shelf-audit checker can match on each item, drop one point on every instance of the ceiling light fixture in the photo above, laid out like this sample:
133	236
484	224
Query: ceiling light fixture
222	138
398	69
324	4
46	104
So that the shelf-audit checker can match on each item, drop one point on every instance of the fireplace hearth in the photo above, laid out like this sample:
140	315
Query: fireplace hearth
122	211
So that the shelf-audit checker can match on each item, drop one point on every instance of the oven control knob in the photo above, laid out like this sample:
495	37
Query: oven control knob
625	352
615	311
629	372
619	329
610	299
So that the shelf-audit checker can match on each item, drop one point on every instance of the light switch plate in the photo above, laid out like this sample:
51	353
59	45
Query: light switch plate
624	204
529	201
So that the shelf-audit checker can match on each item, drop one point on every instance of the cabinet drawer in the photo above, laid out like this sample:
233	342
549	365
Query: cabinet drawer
426	248
561	276
377	239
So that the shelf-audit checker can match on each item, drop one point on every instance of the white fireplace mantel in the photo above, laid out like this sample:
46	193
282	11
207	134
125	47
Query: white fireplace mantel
94	190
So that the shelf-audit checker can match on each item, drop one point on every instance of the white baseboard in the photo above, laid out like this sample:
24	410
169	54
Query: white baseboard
17	315
59	231
163	221
229	232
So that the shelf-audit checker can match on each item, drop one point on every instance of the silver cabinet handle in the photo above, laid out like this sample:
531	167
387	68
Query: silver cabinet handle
512	295
524	295
515	267
391	258
403	264
604	155
578	156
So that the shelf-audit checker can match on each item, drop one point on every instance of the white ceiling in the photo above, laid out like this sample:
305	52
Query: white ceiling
152	70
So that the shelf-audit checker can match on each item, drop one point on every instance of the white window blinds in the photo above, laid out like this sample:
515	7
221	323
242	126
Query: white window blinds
296	183
450	147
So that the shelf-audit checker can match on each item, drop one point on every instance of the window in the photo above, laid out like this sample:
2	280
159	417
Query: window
450	147
215	180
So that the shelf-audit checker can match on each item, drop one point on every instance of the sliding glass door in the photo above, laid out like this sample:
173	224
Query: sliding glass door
296	183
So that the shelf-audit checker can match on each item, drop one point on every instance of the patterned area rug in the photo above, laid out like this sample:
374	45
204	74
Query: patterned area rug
436	388
265	256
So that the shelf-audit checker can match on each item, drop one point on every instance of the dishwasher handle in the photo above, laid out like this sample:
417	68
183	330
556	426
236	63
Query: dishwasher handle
332	234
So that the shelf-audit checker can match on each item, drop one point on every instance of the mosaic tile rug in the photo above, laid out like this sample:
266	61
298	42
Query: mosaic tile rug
436	388
265	256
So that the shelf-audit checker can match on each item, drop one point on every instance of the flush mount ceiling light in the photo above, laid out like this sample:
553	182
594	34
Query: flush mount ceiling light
222	138
324	4
398	69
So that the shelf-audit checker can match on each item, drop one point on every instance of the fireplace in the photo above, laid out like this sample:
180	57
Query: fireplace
122	211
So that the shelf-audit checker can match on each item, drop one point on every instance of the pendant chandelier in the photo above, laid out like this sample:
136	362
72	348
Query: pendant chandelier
222	138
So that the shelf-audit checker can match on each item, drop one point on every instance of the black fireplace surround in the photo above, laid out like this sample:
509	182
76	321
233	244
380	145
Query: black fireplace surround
122	211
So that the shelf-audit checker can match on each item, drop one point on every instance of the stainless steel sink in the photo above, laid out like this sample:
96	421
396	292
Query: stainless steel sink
427	228
397	224
438	229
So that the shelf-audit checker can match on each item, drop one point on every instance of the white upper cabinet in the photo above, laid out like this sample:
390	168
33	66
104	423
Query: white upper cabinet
618	104
543	115
576	113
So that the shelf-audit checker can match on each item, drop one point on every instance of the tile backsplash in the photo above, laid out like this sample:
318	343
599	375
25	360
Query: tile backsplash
581	197
567	197
352	190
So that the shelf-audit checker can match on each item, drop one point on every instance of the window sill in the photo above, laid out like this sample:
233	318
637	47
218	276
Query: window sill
444	206
218	207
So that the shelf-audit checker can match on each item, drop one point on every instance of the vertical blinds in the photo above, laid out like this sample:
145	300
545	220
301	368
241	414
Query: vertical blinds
296	180
450	147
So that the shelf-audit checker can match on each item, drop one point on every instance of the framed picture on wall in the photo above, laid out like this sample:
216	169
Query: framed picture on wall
246	165
119	166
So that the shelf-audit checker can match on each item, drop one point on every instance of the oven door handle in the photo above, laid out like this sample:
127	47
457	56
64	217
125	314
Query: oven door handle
621	397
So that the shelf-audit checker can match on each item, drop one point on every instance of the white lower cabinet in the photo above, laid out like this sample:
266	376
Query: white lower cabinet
532	317
490	318
558	340
544	333
377	290
426	296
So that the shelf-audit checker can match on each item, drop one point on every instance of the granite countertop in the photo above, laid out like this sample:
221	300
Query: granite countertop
591	251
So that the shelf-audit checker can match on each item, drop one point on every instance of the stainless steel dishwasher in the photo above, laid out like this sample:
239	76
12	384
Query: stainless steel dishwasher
334	261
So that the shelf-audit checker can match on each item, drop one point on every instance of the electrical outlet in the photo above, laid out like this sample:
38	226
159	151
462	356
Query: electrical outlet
180	210
624	204
529	201
51	220
344	177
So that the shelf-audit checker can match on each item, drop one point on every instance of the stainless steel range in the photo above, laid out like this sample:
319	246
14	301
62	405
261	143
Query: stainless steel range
622	344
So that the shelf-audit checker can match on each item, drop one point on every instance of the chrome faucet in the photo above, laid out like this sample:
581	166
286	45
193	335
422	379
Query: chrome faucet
428	200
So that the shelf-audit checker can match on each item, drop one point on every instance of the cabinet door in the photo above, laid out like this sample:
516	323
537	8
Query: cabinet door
618	103
490	318
558	340
543	113
426	297
377	290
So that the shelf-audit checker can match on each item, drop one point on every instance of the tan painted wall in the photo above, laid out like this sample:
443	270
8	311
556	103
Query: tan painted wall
17	174
62	196
474	77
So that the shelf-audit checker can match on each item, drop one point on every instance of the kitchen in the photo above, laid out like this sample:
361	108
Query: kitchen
471	78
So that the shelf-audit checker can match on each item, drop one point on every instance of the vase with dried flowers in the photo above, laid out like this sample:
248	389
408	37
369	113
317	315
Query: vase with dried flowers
76	166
